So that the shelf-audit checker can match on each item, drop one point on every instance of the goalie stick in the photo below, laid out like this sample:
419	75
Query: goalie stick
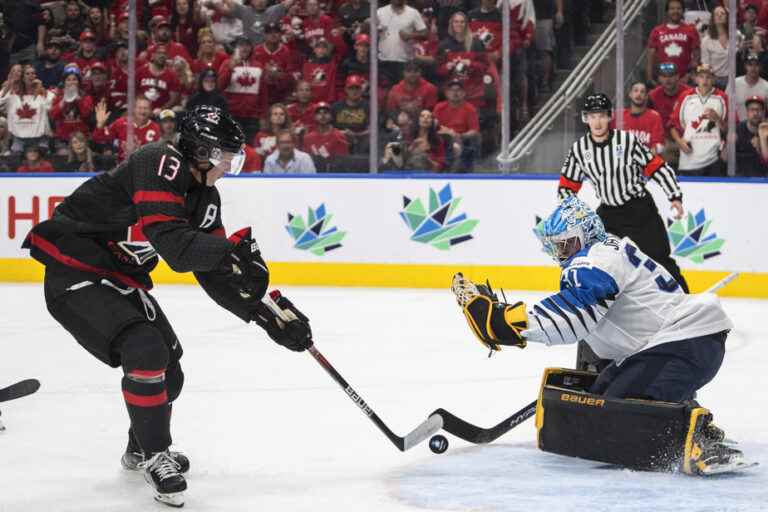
416	436
474	434
20	389
724	281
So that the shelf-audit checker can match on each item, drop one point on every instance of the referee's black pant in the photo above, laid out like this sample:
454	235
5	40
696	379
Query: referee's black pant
639	220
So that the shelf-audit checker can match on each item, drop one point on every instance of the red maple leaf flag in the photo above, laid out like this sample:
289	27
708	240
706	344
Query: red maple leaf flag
26	111
246	80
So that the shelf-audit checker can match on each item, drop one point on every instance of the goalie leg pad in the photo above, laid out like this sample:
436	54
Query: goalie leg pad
637	434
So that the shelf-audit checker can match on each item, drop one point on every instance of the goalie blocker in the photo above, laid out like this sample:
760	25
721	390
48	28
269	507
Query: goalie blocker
638	434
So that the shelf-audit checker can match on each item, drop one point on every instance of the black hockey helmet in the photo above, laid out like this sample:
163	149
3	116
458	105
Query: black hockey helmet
597	102
207	132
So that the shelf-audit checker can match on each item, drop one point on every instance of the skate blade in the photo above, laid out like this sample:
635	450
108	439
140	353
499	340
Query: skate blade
173	499
734	467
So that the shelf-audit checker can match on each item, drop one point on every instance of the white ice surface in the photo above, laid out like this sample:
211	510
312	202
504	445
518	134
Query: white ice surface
267	430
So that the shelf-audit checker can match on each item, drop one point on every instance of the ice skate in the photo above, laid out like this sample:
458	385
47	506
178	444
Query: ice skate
134	456
162	473
710	452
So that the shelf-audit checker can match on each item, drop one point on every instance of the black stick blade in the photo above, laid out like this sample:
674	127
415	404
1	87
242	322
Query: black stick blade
20	389
477	435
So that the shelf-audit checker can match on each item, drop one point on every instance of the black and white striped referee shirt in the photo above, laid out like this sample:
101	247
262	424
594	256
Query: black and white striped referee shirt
618	169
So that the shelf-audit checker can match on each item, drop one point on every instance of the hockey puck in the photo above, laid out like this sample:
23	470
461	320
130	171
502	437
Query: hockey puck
438	444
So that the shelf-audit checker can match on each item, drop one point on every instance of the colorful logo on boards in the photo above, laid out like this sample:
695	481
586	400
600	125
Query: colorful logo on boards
316	234
689	237
440	226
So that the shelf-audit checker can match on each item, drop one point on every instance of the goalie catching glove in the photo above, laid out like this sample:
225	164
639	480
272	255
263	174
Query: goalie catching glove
494	323
288	327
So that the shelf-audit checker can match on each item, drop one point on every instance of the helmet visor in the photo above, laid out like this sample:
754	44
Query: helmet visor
564	245
230	163
564	249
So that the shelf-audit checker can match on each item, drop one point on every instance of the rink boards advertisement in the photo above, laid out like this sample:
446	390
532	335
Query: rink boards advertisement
416	230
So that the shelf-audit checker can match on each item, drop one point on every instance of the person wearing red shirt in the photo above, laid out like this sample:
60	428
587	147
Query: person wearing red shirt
280	64
461	56
325	143
120	8
253	161
265	142
412	94
116	134
207	54
302	111
241	79
663	97
458	119
643	122
315	25
118	80
320	71
172	48
485	23
158	83
674	41
98	88
71	108
185	24
86	56
33	161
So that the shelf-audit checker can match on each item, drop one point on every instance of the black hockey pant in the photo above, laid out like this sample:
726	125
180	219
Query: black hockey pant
670	372
124	327
639	220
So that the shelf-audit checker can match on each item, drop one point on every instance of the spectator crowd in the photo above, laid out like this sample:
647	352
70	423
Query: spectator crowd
296	75
281	67
680	108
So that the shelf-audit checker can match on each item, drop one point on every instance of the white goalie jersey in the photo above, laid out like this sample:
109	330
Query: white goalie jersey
620	302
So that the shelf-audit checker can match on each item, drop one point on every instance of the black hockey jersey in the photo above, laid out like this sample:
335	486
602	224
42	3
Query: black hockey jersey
115	224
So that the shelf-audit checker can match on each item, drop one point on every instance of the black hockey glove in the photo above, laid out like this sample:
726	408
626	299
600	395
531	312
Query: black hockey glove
246	267
293	332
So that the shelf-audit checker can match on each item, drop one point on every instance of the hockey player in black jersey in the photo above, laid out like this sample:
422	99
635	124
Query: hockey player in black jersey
100	246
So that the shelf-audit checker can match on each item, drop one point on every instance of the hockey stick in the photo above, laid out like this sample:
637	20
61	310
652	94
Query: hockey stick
724	281
20	389
416	436
474	434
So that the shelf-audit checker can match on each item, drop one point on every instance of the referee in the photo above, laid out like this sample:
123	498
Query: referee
618	165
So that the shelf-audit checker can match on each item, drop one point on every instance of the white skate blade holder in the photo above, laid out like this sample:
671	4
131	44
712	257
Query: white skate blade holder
732	467
174	499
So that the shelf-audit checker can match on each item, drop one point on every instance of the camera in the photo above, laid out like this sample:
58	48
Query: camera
396	147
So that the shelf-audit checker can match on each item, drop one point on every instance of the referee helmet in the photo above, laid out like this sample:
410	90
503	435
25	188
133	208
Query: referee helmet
598	102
